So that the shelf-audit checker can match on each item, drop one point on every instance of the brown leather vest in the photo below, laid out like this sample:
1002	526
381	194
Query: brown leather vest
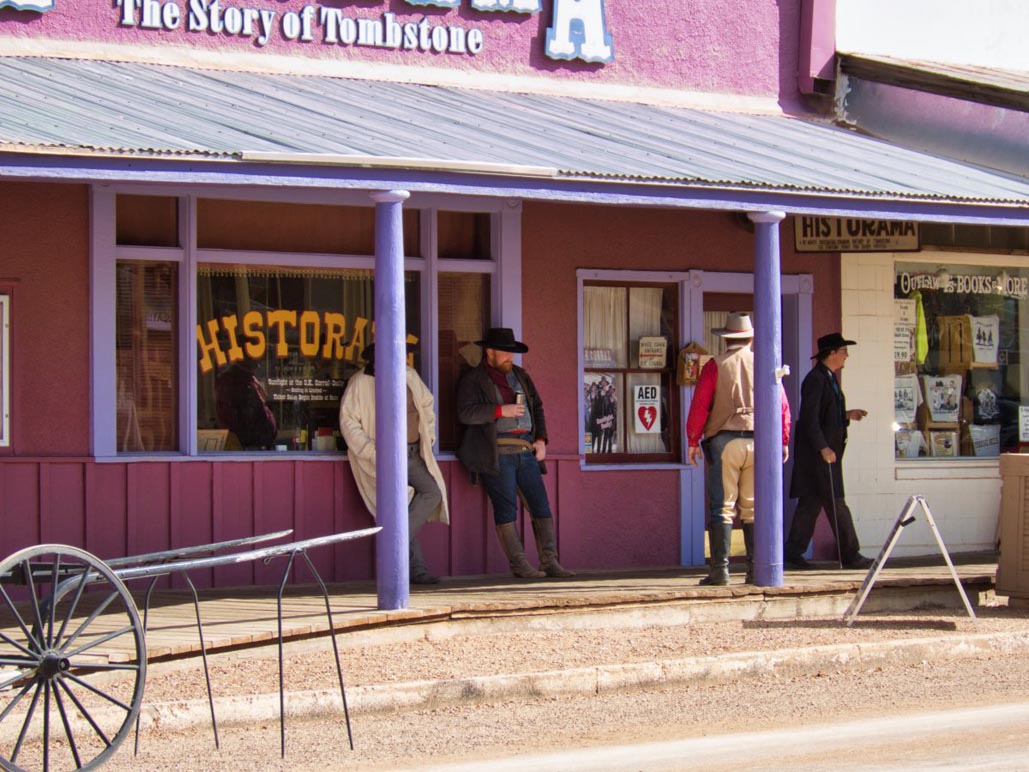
733	406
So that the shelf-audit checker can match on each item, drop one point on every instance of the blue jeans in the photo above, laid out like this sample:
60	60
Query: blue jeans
518	472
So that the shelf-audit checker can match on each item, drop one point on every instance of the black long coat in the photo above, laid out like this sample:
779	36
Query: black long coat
476	407
822	424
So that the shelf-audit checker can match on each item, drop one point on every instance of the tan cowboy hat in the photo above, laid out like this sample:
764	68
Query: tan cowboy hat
736	326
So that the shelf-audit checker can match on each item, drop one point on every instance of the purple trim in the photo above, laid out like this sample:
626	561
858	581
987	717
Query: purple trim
817	49
658	194
391	555
768	536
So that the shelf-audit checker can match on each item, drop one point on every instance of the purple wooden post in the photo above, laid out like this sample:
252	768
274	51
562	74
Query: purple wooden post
391	549
767	402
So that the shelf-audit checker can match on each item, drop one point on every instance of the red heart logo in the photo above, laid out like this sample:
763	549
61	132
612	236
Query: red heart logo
647	414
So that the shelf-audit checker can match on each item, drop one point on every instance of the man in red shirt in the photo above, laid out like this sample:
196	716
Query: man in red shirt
722	417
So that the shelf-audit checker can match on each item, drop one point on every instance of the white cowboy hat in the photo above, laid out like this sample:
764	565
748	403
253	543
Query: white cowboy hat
736	326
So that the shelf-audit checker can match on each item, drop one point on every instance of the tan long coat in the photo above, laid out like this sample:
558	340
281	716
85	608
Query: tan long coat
357	424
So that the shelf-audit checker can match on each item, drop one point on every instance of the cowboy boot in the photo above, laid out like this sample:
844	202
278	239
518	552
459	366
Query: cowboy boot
512	547
546	543
748	542
720	536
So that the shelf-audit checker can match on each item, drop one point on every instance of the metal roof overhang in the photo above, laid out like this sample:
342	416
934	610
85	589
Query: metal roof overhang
132	123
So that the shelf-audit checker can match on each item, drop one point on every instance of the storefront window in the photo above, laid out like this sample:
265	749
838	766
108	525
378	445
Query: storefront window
464	313
960	331
628	388
275	349
146	357
5	371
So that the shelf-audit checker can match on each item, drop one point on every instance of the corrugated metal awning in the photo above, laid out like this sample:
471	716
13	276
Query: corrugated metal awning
100	108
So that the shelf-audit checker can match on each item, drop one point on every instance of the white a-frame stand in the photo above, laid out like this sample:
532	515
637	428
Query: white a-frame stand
904	519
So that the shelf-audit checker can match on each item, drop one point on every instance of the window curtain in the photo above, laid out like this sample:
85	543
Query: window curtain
604	321
644	319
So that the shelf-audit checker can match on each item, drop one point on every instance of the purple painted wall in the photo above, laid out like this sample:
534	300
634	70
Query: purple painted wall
51	491
712	46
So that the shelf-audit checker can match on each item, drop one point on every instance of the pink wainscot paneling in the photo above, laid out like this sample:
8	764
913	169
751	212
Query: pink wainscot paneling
619	519
62	503
106	515
352	560
316	493
19	494
471	525
191	509
233	516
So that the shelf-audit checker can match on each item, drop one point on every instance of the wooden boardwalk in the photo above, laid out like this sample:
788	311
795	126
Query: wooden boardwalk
247	617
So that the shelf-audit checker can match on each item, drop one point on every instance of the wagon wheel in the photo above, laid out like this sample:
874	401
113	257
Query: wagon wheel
72	660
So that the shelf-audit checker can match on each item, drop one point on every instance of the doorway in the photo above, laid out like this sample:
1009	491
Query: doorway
711	297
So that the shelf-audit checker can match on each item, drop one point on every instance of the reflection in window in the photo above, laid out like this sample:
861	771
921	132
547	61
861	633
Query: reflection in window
959	369
628	355
275	349
146	356
464	313
5	370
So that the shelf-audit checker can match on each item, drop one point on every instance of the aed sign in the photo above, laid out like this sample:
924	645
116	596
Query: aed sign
851	234
646	409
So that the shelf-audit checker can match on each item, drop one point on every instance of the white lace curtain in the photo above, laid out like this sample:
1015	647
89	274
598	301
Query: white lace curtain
613	319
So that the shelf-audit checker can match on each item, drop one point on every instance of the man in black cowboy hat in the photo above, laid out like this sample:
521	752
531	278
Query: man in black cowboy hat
821	437
504	443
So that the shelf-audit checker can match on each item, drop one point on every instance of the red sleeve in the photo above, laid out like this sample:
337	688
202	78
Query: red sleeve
700	407
787	419
497	414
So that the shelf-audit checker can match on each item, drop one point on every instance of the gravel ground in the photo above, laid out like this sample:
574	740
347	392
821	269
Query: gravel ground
411	739
432	656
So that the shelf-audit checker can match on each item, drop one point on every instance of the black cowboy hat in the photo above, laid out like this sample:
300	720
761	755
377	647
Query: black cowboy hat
502	339
831	342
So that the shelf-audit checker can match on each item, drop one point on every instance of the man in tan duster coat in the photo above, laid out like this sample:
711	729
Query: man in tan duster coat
427	493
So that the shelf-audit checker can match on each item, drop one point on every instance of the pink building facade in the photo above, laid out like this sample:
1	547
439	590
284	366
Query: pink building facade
132	274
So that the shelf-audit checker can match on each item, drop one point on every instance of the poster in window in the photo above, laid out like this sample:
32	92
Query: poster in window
943	395
904	312
903	343
985	439
653	352
906	398
985	339
600	401
646	408
985	388
943	444
910	443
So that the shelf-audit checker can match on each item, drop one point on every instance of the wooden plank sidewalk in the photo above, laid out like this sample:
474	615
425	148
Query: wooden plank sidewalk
247	616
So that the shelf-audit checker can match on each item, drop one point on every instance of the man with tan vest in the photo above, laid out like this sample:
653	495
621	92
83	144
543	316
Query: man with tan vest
722	416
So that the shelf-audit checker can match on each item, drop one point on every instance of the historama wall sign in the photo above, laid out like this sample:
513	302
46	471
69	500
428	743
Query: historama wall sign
578	28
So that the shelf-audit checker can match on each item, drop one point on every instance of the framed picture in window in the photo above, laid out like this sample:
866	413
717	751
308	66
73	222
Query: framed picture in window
943	395
943	444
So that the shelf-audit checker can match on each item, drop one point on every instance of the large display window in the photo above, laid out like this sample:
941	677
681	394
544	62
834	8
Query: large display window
146	356
275	349
961	352
629	395
241	335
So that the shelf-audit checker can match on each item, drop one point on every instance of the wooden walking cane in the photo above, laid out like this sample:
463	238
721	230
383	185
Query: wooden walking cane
835	519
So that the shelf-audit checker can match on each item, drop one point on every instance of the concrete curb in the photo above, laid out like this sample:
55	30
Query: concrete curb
426	695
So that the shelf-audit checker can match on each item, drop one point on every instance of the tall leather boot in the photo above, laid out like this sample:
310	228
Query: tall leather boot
748	542
515	552
546	543
720	536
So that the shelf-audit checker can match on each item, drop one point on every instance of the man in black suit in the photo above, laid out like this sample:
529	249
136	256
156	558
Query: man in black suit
821	437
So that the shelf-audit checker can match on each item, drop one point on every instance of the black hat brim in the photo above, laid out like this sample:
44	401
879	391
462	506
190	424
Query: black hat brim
513	348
